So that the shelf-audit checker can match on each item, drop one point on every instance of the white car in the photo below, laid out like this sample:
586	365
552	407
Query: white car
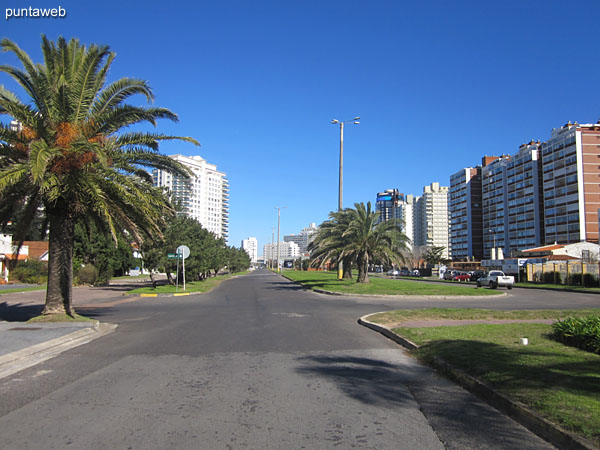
495	279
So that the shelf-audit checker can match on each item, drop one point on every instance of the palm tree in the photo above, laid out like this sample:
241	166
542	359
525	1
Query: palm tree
67	156
329	243
367	239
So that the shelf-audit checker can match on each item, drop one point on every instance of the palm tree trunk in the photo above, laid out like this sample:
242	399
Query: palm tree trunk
363	264
59	295
347	268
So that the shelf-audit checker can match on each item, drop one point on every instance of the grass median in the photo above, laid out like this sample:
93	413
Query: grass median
559	382
381	286
195	287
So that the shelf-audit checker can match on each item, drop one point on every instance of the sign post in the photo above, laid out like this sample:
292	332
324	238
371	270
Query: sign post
183	251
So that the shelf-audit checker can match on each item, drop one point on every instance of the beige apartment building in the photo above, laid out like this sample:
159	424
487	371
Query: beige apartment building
431	225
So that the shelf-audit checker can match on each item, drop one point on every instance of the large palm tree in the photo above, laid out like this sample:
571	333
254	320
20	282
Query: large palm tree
367	239
329	243
67	154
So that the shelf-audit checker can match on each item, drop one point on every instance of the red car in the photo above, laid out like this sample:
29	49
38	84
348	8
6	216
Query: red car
461	277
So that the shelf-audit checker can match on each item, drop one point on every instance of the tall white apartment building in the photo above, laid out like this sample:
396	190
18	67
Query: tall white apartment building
251	247
286	250
204	197
431	218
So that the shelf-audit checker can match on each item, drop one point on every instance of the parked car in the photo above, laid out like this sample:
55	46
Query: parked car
449	274
461	276
405	273
476	274
496	278
393	272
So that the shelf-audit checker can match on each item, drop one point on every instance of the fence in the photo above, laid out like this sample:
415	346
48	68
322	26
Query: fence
564	272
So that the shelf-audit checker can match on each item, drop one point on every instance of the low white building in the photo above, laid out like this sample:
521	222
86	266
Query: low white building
286	250
7	252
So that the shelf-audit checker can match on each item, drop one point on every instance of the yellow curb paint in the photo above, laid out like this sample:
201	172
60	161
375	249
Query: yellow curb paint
148	295
179	295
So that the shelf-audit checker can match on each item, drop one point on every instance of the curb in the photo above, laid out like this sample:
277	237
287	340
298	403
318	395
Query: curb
178	294
517	411
30	356
441	297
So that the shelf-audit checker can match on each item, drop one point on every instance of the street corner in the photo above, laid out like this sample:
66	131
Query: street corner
28	344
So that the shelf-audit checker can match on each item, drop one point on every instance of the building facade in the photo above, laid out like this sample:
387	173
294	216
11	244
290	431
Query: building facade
391	204
431	227
465	216
286	250
303	238
251	247
571	184
204	197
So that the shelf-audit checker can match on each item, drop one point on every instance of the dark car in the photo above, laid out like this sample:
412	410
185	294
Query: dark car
476	275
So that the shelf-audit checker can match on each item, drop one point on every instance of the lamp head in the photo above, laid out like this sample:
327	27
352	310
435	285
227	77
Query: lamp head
356	118
335	121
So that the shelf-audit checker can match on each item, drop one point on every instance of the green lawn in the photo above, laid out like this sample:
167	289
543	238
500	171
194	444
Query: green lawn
193	287
559	382
328	281
25	289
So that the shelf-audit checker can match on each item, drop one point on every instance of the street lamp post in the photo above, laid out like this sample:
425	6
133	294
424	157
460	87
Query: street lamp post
494	247
278	208
341	175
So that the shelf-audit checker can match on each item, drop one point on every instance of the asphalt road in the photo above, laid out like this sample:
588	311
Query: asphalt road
257	363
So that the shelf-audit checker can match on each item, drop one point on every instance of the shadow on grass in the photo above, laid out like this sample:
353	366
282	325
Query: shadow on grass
519	369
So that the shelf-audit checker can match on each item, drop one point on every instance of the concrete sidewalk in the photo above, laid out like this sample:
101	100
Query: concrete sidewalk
23	345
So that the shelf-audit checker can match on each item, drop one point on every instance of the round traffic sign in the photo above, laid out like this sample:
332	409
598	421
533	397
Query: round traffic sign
183	251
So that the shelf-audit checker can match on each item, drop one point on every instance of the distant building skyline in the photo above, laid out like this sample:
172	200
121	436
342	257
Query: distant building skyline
204	197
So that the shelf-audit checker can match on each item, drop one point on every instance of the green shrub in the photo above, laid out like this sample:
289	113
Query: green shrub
580	332
574	279
31	271
551	278
590	280
88	274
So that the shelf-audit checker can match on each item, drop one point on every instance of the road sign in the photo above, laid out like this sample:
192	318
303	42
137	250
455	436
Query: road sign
183	251
171	255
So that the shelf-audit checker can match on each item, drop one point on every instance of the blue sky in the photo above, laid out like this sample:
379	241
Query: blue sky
437	85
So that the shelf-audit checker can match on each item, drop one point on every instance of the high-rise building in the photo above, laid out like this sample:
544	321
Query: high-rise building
571	181
391	204
204	197
464	214
251	247
303	238
431	218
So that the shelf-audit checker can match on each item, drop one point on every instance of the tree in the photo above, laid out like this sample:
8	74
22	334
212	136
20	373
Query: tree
71	157
329	242
434	255
367	239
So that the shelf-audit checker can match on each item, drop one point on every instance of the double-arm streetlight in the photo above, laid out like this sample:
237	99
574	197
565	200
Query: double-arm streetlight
341	179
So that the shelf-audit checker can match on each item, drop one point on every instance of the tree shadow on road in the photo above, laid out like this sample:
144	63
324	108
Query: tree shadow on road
19	312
